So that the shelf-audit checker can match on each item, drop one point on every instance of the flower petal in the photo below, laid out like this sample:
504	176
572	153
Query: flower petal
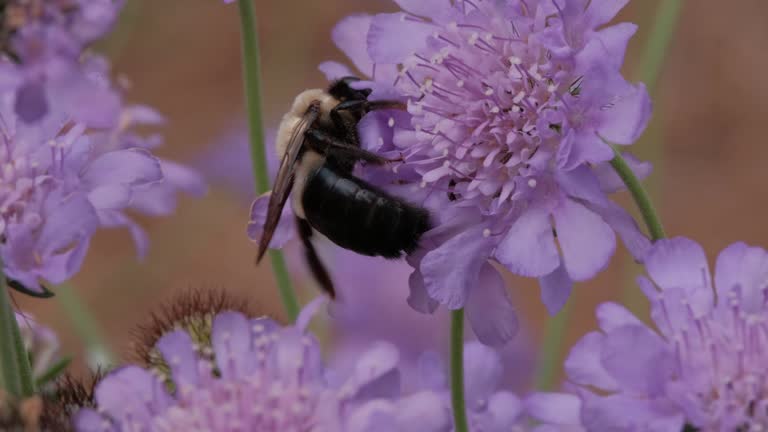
743	270
678	263
529	247
132	394
628	115
422	412
555	289
600	12
503	412
285	230
482	372
412	37
419	298
376	374
638	359
558	408
231	341
89	420
178	352
452	269
613	41
611	316
584	365
637	243
610	182
334	70
489	310
349	36
586	240
130	167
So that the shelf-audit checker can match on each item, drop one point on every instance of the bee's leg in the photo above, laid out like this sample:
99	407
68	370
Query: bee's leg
324	143
313	260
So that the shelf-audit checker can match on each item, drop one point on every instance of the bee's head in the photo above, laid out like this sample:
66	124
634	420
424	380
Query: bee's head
341	89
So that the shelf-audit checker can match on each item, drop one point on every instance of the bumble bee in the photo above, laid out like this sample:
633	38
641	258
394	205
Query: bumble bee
318	146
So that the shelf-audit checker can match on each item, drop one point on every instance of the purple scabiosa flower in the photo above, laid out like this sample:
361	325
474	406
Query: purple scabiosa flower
45	66
258	375
60	182
703	366
509	107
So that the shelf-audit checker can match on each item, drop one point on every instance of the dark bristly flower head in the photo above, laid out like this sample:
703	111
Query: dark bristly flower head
255	374
704	366
510	108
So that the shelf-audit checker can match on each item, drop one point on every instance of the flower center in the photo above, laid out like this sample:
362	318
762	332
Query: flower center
490	103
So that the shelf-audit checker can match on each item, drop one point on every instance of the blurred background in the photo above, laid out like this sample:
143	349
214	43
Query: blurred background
707	141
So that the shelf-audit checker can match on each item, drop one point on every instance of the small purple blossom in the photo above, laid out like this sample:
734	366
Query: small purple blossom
46	66
258	375
704	365
60	182
510	108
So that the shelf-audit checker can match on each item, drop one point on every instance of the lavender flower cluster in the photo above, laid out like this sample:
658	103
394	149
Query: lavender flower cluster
514	113
72	161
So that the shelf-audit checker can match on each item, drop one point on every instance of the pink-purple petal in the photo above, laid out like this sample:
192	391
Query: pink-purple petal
231	341
529	247
412	37
349	36
451	270
741	271
678	263
179	354
130	167
586	240
645	370
285	231
555	290
334	70
628	115
489	309
584	363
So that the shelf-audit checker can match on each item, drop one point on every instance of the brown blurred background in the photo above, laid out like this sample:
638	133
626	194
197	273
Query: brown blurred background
182	57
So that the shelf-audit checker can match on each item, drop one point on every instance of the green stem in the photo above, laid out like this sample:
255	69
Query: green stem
661	33
549	357
16	371
650	146
86	327
457	371
643	201
252	80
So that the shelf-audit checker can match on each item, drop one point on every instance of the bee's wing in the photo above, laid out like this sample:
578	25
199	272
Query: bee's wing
284	179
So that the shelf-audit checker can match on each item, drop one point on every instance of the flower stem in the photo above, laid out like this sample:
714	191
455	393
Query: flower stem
16	372
650	146
252	80
86	327
643	201
549	357
661	33
457	371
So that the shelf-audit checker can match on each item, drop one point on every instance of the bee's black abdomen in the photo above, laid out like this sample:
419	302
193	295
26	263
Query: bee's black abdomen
361	217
